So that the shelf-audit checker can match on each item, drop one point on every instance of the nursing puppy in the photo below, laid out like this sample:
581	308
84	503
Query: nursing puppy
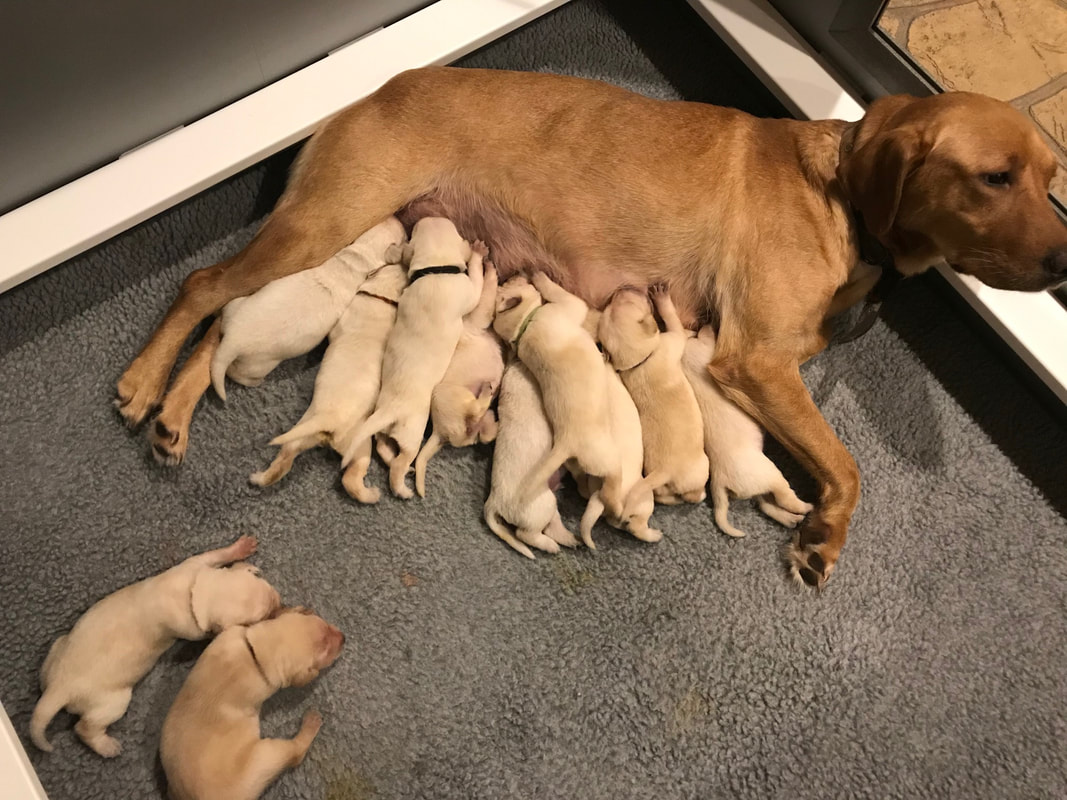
650	365
523	439
290	316
459	405
92	670
639	502
444	285
347	384
734	444
210	745
551	341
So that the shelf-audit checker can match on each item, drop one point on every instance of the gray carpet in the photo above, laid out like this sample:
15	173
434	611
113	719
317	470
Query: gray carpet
933	665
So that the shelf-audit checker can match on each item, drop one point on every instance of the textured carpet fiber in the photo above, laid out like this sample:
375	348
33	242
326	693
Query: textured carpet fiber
933	665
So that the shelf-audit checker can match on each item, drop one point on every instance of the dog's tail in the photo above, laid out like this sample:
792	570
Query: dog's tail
50	704
429	450
220	363
498	525
378	422
536	480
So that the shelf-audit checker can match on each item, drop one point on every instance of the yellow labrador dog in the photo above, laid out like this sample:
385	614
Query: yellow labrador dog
753	224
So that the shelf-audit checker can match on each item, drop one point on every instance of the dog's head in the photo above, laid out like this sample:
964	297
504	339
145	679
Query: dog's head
436	242
628	329
235	595
388	281
962	177
293	647
516	299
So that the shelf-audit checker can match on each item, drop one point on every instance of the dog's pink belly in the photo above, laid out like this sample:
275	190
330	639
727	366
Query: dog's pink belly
514	247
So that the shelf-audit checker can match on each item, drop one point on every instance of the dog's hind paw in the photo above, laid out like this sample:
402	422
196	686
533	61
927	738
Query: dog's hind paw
811	558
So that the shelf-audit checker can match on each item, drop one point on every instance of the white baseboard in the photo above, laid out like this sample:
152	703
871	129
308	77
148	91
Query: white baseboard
1033	324
174	167
18	781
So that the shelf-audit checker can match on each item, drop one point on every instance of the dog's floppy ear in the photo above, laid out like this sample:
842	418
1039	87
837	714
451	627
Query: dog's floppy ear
508	303
399	254
886	151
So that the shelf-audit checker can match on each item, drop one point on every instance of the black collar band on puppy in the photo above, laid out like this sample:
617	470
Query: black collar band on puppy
252	652
632	366
877	254
443	270
388	300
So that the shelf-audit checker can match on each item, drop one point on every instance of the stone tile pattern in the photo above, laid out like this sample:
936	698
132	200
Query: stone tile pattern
1014	50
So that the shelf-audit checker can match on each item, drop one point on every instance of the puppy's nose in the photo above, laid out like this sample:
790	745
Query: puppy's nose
1055	262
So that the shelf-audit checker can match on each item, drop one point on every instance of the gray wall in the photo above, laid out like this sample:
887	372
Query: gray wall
83	82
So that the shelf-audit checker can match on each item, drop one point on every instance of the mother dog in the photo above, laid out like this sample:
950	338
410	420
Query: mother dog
754	224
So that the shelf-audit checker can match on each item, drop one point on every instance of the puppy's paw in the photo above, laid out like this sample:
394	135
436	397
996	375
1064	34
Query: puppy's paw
403	491
311	723
646	534
106	746
810	555
244	547
169	439
479	247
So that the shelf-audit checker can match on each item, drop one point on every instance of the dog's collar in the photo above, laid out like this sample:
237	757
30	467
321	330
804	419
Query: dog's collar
448	269
255	660
871	251
525	324
388	300
632	366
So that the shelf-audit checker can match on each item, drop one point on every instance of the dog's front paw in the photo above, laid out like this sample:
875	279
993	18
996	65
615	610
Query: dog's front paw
480	247
243	548
811	556
169	439
138	394
311	724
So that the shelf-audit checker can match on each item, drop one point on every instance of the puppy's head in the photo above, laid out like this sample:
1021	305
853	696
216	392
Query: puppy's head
293	647
436	242
516	299
458	413
383	238
388	281
628	329
958	176
235	595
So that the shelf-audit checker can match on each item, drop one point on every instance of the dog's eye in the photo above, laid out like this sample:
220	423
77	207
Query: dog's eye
997	178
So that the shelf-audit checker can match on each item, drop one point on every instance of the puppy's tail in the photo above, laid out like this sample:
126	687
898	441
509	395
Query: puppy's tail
220	363
50	704
498	525
720	502
593	510
536	480
428	451
378	422
315	426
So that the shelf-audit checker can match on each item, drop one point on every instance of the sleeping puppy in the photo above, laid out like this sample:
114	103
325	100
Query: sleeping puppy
551	341
523	439
639	501
210	745
444	285
347	384
290	316
734	444
459	405
92	670
650	365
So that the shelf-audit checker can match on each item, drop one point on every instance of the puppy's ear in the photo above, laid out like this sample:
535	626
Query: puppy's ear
394	254
886	151
507	303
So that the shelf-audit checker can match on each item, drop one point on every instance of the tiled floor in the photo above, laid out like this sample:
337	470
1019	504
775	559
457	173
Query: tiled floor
1015	50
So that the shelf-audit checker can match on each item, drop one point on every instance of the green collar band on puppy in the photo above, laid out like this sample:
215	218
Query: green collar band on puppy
525	324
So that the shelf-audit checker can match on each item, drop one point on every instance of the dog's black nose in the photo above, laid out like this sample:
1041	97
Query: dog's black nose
1055	262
